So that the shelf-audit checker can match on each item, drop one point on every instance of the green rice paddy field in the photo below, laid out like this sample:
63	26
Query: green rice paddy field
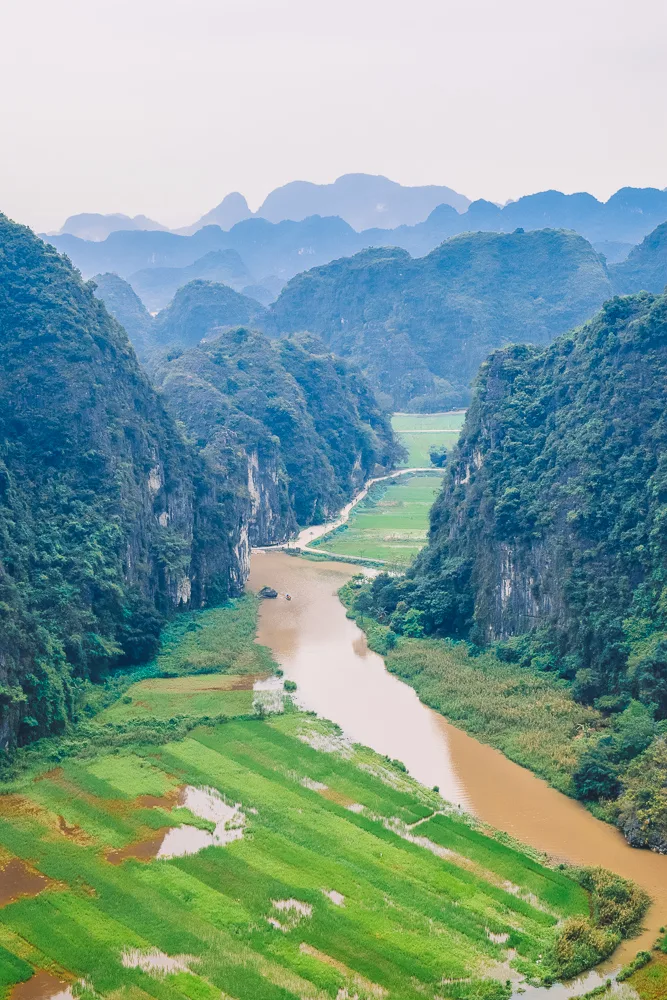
418	432
390	524
315	869
378	915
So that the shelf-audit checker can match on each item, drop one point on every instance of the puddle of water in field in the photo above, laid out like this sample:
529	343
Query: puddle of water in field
17	880
154	961
268	694
176	842
42	986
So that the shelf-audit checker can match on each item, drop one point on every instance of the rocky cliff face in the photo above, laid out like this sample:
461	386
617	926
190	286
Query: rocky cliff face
553	512
108	520
419	328
299	426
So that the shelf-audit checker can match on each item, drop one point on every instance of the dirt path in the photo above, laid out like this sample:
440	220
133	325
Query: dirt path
308	535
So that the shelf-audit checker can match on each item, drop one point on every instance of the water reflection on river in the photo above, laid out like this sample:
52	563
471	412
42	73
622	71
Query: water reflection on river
340	679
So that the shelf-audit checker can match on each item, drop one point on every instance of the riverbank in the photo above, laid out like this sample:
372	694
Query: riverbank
223	850
337	675
389	526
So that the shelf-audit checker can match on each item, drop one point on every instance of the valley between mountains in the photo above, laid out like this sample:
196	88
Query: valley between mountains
434	762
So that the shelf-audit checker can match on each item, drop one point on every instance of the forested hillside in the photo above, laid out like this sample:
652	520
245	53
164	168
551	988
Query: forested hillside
200	308
305	423
645	269
125	305
108	521
549	540
420	328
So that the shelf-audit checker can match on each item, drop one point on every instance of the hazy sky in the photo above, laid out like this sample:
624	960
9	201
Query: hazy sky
164	106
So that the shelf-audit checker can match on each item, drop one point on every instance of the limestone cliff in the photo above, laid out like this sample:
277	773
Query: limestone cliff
108	520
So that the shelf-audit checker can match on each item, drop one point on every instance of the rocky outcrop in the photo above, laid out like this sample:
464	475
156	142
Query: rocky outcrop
271	518
109	521
299	426
552	513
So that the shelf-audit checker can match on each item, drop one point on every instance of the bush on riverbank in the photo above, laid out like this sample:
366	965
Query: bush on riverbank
617	907
580	946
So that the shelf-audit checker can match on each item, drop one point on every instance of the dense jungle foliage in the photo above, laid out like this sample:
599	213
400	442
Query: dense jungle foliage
420	327
125	305
307	421
108	520
549	539
645	269
198	309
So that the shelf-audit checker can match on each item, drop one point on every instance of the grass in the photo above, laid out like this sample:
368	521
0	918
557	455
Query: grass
214	640
650	983
530	717
390	524
382	915
448	420
418	432
204	694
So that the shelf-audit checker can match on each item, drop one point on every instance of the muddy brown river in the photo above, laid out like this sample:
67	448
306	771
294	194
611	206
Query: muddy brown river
341	679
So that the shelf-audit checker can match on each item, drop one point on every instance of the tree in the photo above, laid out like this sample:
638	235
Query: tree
651	680
595	777
438	455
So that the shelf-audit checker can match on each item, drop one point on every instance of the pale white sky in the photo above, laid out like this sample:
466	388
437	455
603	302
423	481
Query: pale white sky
164	106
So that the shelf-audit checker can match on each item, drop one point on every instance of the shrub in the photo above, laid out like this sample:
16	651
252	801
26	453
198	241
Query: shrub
596	777
580	946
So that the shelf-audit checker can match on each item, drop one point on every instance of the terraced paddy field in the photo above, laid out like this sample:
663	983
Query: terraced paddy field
390	524
419	432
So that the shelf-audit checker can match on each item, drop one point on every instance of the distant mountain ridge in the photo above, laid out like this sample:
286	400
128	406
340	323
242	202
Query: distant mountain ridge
362	200
156	286
420	327
645	268
95	226
280	250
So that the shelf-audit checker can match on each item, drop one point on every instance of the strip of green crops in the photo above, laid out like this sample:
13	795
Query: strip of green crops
390	524
418	432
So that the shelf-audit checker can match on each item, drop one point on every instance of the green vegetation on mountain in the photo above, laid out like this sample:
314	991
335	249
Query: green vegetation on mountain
548	540
199	310
419	328
125	305
307	422
108	521
233	853
645	268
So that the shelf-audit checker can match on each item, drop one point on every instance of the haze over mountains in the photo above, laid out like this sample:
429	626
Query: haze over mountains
257	256
418	327
362	200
